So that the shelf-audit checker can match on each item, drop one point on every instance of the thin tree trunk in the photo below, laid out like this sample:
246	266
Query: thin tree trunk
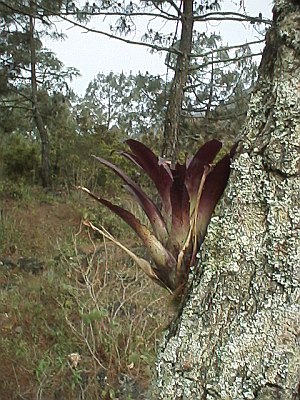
209	103
170	146
44	137
237	335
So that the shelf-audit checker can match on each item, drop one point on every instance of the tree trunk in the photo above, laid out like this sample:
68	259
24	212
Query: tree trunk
237	335
172	120
45	145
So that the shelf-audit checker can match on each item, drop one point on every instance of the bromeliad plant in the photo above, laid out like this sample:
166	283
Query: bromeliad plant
189	193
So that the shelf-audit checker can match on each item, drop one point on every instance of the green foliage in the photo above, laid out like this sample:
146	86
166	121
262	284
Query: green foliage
13	115
95	314
30	74
17	189
15	58
20	158
133	103
75	159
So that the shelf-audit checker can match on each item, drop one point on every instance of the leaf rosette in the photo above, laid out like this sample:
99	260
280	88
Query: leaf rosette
188	195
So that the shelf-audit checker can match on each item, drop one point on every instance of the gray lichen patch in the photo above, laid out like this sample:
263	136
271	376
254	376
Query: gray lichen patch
283	151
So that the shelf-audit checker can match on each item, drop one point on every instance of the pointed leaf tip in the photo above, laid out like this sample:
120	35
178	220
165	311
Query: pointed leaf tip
150	209
195	169
158	171
215	184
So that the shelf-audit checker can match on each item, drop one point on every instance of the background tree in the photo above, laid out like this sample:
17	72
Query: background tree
172	120
216	94
215	104
28	71
132	103
237	333
179	18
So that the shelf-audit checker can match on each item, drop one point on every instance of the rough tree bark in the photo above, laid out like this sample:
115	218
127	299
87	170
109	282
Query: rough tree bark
238	334
176	95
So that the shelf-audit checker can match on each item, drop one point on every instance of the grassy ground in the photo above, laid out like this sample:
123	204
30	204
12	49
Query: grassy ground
78	320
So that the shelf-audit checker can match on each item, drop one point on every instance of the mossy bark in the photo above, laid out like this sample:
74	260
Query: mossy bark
238	334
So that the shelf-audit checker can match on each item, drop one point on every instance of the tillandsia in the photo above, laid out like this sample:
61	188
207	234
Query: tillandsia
188	194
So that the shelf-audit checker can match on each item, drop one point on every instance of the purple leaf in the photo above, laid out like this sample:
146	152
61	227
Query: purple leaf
164	260
214	186
233	150
195	168
151	210
180	209
189	194
159	172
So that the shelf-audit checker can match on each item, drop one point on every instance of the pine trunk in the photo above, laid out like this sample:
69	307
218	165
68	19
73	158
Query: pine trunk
170	146
237	335
44	136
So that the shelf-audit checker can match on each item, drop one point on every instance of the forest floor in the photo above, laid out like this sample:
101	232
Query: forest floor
78	320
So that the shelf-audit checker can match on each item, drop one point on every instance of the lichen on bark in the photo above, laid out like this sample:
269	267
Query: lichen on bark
238	333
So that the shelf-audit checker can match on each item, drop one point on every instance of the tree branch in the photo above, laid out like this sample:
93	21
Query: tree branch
111	36
226	61
225	48
232	16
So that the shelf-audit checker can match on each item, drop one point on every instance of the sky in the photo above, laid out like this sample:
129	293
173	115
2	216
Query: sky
92	53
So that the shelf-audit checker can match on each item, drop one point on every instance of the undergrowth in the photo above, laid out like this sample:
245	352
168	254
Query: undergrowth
84	326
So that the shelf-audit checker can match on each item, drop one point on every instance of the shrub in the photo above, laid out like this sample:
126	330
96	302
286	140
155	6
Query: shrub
20	157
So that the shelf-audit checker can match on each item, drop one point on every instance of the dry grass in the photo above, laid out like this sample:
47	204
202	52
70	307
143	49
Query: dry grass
89	301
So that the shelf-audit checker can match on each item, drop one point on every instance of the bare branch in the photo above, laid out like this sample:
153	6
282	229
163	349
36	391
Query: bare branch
164	12
232	16
16	107
226	61
171	2
205	17
168	17
225	48
211	118
111	36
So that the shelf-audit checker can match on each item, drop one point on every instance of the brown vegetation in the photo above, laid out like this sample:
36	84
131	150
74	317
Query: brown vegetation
85	300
